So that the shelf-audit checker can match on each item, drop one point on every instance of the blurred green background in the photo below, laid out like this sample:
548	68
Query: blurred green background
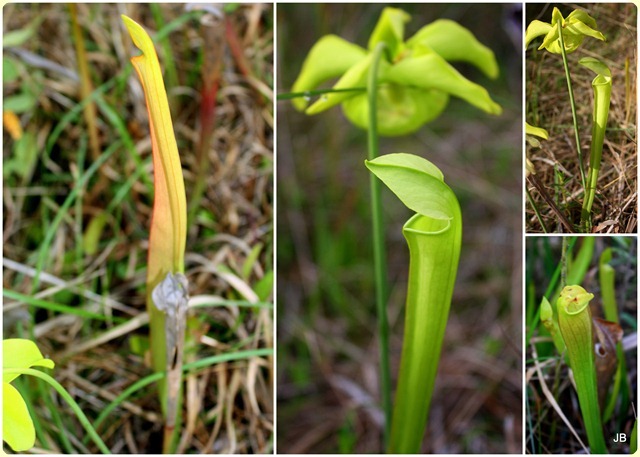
328	392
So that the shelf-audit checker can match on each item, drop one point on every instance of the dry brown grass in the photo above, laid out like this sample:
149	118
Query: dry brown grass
556	163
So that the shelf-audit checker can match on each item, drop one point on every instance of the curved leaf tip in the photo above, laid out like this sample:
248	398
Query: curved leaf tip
418	183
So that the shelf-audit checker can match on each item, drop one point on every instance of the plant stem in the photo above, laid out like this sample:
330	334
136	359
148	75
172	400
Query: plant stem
379	254
64	394
573	107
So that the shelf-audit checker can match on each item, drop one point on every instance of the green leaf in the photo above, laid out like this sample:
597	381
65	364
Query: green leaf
264	287
454	42
93	232
9	70
17	426
26	155
21	353
417	182
574	320
329	58
17	37
19	103
595	65
390	30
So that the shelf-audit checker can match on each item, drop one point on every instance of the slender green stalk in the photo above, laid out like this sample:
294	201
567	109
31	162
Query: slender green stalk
379	253
574	319
68	398
573	105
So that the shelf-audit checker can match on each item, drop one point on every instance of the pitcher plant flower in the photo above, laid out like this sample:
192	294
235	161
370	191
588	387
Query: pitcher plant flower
166	287
575	28
415	78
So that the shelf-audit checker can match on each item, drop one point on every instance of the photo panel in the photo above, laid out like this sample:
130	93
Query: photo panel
581	344
580	112
445	152
138	228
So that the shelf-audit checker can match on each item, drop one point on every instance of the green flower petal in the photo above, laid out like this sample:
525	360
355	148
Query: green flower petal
536	29
356	76
390	30
580	28
21	353
329	58
456	43
433	72
581	16
537	131
17	426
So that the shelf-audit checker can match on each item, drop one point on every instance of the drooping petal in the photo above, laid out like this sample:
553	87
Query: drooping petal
355	77
17	427
390	30
536	28
22	353
433	72
580	28
454	42
329	58
537	131
581	16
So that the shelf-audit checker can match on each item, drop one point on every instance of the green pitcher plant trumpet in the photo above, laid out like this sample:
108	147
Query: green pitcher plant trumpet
601	100
434	239
575	322
415	78
166	285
